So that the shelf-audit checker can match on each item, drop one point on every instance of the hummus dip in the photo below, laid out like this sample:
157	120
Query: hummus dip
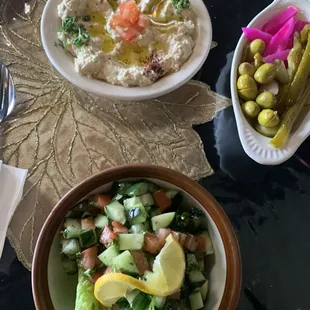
127	43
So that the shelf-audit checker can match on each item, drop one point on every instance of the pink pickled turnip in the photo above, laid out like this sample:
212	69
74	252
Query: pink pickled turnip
280	40
299	25
277	22
282	55
254	33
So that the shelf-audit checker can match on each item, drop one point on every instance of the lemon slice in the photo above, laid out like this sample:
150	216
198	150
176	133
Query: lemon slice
166	278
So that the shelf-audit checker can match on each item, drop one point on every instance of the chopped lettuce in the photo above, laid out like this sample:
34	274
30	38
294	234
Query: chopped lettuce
85	298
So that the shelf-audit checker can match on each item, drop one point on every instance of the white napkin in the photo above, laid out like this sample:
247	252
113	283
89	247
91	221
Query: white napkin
12	182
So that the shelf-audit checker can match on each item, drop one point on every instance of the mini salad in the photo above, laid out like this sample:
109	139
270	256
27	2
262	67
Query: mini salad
138	247
273	82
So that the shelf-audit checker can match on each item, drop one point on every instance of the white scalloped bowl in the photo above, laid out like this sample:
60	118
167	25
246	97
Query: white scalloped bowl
254	144
50	25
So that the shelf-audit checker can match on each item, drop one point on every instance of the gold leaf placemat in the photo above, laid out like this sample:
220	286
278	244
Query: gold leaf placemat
63	135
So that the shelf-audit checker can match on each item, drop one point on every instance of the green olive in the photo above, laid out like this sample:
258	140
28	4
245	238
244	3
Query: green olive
258	60
256	46
266	100
246	68
267	131
265	73
250	109
268	118
247	87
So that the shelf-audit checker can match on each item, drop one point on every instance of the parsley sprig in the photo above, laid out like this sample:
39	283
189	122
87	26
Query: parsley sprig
73	32
181	4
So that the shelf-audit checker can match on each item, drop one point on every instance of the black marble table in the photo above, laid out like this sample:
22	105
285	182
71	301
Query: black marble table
268	206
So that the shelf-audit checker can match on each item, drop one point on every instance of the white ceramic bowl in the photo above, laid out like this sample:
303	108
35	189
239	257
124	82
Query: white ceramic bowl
63	62
255	144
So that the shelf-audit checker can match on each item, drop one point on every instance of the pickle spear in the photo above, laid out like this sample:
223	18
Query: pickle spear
294	57
288	119
301	77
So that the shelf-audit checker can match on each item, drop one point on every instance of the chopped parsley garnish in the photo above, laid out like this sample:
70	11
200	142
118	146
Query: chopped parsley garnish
181	4
77	33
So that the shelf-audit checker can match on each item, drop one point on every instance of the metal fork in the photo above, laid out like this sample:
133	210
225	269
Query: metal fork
4	91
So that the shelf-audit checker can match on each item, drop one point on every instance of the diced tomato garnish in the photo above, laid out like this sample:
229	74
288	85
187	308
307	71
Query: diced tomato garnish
89	256
201	243
107	236
88	223
129	34
128	22
118	228
101	200
141	261
162	200
162	234
151	243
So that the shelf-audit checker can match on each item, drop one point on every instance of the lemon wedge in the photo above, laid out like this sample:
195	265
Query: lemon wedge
166	277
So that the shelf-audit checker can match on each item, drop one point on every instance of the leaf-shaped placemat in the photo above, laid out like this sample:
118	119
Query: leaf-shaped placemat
63	135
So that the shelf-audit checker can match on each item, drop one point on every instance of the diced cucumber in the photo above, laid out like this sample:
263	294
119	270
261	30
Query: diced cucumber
120	188
137	189
132	295
70	266
108	255
160	301
136	214
201	264
171	193
152	187
125	263
101	221
209	246
86	214
70	247
192	263
196	278
175	197
88	238
116	212
122	304
72	228
204	290
147	200
141	302
162	220
138	228
195	300
130	241
130	203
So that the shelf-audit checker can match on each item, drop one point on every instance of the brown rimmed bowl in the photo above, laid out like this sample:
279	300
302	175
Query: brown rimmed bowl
53	289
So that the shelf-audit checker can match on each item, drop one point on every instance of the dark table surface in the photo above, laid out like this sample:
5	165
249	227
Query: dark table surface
268	206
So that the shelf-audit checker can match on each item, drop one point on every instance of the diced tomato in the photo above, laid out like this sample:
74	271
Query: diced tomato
129	34
89	256
151	243
118	20
101	200
95	277
191	243
143	21
119	228
131	14
141	261
162	234
88	223
176	235
107	236
201	243
162	200
182	238
175	295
